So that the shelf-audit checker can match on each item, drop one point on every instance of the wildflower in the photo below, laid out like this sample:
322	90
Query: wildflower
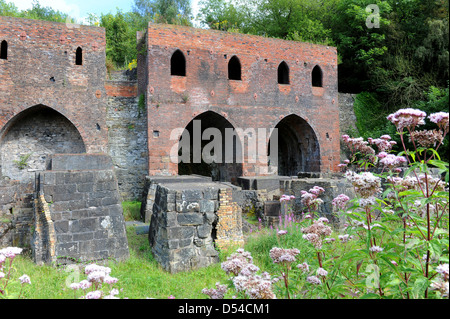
2	259
340	201
84	284
427	138
441	119
171	297
323	220
365	184
10	252
313	280
392	160
322	272
93	267
282	232
304	266
2	275
236	262
408	117
75	286
394	262
443	270
217	293
383	144
376	249
110	280
280	255
94	294
344	238
24	279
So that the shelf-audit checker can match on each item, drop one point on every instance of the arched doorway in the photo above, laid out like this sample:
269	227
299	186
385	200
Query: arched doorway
298	147
31	136
209	146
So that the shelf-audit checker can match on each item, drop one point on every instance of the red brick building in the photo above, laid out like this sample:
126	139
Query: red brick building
52	95
231	80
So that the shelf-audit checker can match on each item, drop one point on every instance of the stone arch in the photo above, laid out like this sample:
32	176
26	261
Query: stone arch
209	146
298	147
28	139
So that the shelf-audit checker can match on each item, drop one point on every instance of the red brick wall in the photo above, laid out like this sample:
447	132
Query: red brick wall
257	101
40	69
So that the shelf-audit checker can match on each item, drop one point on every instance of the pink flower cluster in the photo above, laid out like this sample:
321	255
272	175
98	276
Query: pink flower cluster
217	293
365	184
383	143
408	118
391	160
358	144
310	199
236	262
316	232
96	276
441	119
427	138
246	279
283	256
5	268
340	201
285	197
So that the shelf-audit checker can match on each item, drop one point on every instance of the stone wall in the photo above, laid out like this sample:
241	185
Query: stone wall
16	213
127	135
84	205
332	186
190	217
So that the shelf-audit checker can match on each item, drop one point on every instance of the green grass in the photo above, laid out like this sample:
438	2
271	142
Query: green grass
140	276
131	210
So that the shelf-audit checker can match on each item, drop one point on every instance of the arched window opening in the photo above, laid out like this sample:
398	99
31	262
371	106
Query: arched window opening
316	76
283	73
234	69
178	64
4	50
79	56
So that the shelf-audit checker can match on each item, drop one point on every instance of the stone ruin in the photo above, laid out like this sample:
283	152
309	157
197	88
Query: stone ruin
76	141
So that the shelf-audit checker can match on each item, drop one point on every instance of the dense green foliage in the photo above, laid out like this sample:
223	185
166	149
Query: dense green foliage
36	12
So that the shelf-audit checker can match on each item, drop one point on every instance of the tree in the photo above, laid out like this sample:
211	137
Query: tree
164	11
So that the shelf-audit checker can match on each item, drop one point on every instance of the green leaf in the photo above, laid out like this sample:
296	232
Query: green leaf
419	287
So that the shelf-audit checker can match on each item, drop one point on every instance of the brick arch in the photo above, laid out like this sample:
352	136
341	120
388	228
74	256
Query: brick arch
298	147
31	136
228	166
